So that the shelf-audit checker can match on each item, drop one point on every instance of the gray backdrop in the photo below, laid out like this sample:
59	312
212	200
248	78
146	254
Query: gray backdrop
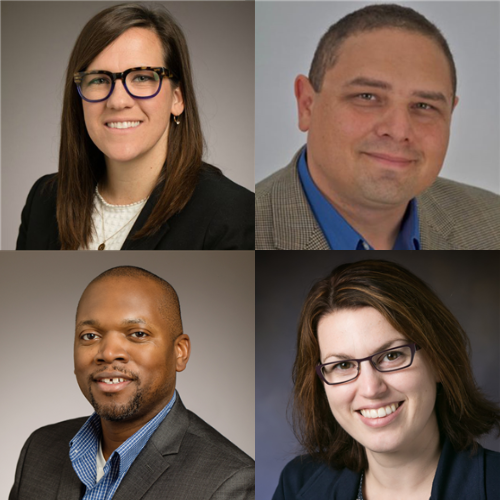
287	36
468	282
37	39
39	292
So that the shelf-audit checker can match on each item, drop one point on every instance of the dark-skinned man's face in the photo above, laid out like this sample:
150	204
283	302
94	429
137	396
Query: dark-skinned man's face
127	348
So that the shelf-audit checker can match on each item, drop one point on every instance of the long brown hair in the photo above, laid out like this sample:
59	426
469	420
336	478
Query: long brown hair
413	309
82	165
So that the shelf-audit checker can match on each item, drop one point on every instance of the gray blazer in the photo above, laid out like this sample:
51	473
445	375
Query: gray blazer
185	459
452	216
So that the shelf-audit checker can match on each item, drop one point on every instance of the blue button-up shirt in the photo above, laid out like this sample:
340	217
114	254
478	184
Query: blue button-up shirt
83	455
339	234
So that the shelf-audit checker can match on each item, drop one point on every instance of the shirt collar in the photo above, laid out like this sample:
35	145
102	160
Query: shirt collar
85	444
338	232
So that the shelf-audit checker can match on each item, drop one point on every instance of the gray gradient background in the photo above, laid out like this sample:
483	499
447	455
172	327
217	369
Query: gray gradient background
288	33
39	292
467	282
37	39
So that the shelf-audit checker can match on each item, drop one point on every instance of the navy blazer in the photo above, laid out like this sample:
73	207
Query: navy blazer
219	216
459	476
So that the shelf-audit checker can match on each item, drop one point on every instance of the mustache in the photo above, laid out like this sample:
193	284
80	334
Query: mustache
129	374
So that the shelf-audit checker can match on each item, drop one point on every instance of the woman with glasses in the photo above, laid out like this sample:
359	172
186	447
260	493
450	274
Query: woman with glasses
385	403
131	174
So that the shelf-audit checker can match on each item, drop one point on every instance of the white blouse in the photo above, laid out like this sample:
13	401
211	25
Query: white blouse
112	223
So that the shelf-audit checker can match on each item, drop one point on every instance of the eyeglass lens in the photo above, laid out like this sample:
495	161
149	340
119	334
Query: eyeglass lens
394	359
140	83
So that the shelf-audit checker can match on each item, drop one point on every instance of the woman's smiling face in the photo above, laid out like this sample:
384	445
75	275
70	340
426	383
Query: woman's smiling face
148	140
358	333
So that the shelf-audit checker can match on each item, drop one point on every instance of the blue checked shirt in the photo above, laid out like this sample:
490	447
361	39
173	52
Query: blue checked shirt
83	455
339	233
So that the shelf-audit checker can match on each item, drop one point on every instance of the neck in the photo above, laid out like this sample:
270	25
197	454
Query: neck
131	181
407	473
114	434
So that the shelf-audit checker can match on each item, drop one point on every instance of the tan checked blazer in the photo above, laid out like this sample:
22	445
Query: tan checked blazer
452	216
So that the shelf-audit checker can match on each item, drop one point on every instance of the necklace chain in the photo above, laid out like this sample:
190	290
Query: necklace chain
102	246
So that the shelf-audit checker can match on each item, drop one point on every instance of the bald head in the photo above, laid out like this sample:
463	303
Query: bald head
163	292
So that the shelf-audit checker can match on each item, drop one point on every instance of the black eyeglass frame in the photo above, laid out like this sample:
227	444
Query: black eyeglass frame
319	367
160	71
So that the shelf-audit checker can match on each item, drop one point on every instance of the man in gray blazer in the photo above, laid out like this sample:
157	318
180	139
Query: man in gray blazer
141	442
377	107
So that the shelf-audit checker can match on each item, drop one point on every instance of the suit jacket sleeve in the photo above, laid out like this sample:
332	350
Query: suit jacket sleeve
14	493
240	486
38	218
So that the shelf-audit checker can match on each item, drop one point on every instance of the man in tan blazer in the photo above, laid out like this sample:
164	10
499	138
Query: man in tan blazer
377	107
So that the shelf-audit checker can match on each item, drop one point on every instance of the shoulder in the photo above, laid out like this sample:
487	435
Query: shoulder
214	184
219	216
491	468
459	216
264	188
313	479
59	432
212	445
44	188
448	192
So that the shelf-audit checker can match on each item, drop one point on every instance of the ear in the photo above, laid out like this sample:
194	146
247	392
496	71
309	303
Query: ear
304	93
177	102
182	348
455	104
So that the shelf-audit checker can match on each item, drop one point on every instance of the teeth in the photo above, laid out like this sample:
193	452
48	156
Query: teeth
112	380
380	412
123	124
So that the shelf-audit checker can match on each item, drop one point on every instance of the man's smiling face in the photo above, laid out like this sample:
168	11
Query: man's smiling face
128	348
379	127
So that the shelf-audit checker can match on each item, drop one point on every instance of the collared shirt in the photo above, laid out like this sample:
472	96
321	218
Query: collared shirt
84	449
339	234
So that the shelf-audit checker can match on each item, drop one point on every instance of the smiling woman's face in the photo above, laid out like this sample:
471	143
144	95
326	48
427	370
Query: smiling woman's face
362	332
150	118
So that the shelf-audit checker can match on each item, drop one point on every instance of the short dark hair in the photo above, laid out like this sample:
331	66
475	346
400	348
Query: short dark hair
371	18
413	309
169	300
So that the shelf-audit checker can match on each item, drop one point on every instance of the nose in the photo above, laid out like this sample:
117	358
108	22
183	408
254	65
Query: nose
112	348
119	98
395	123
371	383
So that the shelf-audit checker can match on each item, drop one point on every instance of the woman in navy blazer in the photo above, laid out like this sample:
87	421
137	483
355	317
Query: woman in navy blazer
385	402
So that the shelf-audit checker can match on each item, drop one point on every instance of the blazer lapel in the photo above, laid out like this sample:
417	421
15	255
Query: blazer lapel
151	242
295	227
157	455
70	487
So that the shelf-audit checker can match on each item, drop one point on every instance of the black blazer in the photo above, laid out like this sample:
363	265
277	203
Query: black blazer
185	459
219	216
459	476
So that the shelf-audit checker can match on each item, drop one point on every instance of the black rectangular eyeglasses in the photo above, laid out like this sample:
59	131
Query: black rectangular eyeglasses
389	360
140	83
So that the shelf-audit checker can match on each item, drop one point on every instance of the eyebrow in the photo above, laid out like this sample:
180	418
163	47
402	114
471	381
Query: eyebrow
125	322
363	81
383	347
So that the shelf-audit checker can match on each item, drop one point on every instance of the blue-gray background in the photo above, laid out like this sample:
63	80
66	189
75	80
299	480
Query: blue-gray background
468	283
37	39
287	34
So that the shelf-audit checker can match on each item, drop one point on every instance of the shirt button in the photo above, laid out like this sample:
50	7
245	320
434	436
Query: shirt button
366	246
